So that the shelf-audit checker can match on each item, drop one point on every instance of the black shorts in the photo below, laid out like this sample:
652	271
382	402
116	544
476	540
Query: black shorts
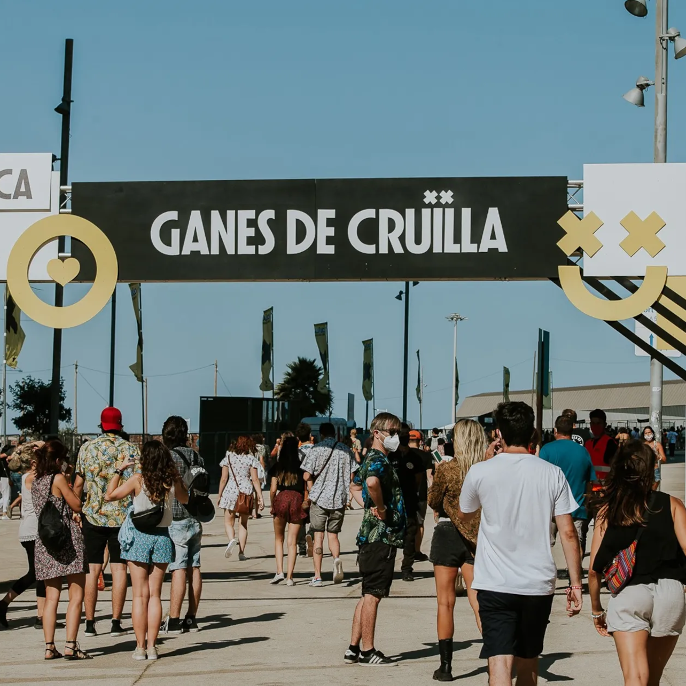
513	624
376	562
97	538
448	547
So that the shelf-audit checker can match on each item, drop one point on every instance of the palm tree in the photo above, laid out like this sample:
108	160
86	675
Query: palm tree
300	385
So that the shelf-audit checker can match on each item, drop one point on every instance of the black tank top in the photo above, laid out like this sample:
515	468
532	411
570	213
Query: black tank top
658	555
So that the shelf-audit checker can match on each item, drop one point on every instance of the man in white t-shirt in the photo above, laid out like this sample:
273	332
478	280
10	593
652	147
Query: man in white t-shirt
519	495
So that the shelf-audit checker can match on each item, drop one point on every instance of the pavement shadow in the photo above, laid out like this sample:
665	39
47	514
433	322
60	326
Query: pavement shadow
474	672
223	620
237	575
214	645
545	663
431	650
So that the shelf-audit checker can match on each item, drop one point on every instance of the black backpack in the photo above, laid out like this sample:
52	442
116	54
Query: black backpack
197	481
52	529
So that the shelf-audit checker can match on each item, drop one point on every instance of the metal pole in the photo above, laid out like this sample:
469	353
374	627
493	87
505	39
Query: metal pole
145	386
4	373
366	416
421	399
659	156
454	398
76	397
215	378
143	399
405	347
61	243
113	329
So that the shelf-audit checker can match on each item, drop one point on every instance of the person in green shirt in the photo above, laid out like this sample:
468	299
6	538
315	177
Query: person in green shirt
377	488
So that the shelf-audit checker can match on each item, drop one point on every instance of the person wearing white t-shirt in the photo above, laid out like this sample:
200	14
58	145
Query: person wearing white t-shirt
514	574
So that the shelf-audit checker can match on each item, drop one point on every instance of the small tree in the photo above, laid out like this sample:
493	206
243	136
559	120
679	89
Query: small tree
31	398
300	385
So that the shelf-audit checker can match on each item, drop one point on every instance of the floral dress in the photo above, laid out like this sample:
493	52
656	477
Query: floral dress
241	465
70	560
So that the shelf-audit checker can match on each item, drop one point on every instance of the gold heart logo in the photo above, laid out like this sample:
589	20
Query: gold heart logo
63	271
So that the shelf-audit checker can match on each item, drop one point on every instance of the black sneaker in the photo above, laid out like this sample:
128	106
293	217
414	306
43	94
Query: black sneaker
408	576
376	659
351	657
563	574
302	551
90	628
117	629
421	557
172	625
3	615
190	625
38	624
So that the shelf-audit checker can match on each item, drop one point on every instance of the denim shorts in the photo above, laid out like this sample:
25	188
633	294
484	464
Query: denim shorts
187	537
150	549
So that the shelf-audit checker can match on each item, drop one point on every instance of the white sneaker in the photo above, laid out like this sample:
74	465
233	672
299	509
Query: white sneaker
337	571
4	516
290	582
229	548
139	654
152	653
278	578
314	581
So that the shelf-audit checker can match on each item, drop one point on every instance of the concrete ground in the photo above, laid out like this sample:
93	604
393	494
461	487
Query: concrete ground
255	633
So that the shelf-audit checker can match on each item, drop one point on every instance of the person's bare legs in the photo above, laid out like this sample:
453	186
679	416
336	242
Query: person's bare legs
177	593
418	538
119	584
243	533
659	651
76	584
91	596
445	596
334	545
368	620
356	636
527	671
141	599
293	531
279	529
194	590
468	576
53	588
155	580
632	649
500	670
229	521
318	553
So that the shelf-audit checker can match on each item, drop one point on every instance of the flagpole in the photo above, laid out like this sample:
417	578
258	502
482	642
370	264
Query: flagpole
421	400
113	329
145	385
4	372
143	422
76	397
215	378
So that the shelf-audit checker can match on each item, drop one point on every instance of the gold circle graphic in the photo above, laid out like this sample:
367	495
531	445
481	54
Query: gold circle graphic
32	240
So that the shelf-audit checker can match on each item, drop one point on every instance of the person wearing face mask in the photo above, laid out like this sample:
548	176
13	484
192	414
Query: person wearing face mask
601	447
660	457
329	468
376	487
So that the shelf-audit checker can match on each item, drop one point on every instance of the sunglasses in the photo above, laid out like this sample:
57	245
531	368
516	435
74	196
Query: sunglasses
390	432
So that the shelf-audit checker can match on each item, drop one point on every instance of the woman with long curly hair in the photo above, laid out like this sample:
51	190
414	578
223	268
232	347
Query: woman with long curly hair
454	542
646	616
286	479
239	475
148	554
51	486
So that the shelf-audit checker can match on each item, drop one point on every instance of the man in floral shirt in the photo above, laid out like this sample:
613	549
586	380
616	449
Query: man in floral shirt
377	488
95	467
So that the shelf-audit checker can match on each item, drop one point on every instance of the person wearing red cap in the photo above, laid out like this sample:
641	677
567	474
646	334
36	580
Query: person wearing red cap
95	467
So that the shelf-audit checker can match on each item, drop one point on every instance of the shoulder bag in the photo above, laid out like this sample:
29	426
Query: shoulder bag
619	572
147	521
244	503
53	531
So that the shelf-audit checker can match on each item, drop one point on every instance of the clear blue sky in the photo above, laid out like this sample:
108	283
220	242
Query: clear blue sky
271	89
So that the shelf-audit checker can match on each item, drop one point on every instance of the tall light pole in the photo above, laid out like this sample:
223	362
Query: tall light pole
406	343
663	37
455	318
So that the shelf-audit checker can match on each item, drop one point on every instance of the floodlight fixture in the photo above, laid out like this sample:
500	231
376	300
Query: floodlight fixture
635	95
64	107
639	8
399	296
674	36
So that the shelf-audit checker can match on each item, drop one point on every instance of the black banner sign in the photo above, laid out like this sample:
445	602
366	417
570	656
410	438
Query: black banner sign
327	230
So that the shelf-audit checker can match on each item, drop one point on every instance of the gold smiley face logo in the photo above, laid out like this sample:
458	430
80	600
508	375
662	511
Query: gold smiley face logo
32	240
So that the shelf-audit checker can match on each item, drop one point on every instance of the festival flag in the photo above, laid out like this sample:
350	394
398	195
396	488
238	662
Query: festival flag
321	335
368	370
506	385
137	367
267	349
14	334
419	378
457	385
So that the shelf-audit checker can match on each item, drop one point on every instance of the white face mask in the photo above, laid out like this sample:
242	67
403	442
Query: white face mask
649	437
391	443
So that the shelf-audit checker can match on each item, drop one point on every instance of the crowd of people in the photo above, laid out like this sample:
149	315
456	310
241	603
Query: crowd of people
500	501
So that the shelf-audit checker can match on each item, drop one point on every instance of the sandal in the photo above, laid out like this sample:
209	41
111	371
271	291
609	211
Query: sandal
52	653
76	652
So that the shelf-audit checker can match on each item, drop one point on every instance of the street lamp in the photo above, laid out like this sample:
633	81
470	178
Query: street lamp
406	352
663	37
455	318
